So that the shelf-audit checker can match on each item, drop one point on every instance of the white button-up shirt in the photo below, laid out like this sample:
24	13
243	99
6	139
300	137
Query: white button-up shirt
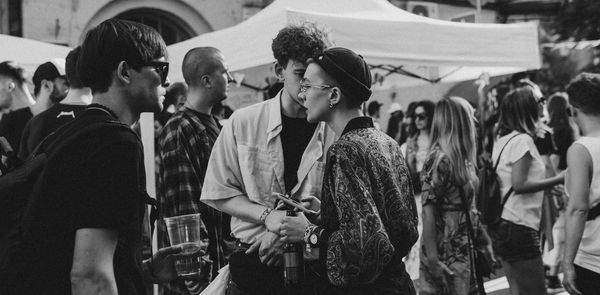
247	160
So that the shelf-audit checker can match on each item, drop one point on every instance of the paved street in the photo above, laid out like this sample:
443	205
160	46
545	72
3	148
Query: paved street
499	286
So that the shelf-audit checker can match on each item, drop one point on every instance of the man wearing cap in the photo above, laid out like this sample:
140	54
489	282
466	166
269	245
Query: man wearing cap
368	213
78	97
50	86
263	149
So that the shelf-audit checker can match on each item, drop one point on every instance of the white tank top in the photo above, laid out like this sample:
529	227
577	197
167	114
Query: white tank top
588	254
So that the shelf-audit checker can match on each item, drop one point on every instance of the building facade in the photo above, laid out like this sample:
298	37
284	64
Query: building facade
65	22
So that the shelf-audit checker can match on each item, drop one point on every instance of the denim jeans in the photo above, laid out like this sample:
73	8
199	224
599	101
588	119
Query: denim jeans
514	242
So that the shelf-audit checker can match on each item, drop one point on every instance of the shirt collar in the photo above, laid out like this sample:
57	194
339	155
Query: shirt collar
358	123
275	113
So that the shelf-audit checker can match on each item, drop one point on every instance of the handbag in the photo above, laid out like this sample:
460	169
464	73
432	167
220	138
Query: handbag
219	285
479	263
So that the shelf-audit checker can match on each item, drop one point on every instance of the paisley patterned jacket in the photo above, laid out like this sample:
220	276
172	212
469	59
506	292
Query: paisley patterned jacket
368	212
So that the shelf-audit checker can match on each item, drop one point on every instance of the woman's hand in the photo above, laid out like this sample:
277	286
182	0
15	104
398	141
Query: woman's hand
293	227
311	203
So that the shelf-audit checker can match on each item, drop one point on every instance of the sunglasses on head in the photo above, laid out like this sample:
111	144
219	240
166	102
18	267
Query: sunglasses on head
542	100
421	116
161	67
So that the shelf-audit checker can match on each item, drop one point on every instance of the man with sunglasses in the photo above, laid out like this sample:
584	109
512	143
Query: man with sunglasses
185	144
86	236
264	149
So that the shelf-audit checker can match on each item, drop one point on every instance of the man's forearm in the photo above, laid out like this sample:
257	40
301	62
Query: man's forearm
574	225
93	283
242	208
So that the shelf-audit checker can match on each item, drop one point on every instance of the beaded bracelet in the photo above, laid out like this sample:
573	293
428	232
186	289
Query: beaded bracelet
263	216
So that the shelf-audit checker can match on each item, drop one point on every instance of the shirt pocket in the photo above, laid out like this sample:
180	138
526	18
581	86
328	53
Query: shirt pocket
257	173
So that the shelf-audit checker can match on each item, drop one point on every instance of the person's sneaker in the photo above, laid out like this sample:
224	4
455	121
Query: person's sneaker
554	282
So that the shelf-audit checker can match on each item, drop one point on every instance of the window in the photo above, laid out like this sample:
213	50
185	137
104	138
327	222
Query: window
170	27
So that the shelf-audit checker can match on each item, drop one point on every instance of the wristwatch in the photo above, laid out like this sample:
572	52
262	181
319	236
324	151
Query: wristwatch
314	236
313	240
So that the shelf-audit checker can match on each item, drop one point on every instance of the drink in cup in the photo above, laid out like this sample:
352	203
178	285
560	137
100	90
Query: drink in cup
188	232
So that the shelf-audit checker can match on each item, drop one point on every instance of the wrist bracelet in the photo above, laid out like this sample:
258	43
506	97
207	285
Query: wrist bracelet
263	216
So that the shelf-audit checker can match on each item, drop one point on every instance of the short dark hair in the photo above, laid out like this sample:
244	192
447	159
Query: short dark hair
112	42
71	68
373	108
584	93
299	42
12	70
518	112
174	91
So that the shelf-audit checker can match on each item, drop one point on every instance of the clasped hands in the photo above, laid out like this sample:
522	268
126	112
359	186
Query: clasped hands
282	229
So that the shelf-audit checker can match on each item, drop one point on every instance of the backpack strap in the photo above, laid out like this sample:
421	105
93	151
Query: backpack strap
594	212
502	150
66	135
510	191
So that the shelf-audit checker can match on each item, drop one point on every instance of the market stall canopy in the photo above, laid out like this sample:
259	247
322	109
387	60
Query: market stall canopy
384	34
28	53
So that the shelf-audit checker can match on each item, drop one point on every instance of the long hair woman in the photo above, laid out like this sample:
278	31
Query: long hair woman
368	212
415	150
520	167
448	181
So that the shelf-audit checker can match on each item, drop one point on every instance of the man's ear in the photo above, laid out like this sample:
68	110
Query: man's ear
279	71
11	86
336	96
206	81
122	72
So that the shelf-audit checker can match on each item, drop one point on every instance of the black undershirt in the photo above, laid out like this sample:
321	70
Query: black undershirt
295	135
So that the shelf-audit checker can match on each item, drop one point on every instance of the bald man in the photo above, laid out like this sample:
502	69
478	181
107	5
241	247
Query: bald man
185	144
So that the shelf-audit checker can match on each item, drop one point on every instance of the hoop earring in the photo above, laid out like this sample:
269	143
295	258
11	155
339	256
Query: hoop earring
331	105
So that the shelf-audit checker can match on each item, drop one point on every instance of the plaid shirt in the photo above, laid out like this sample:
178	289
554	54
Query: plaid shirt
185	144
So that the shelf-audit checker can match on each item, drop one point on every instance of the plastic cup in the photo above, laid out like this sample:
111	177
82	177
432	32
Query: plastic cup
187	231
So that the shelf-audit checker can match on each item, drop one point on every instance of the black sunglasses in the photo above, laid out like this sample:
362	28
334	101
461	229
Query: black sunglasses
161	67
421	116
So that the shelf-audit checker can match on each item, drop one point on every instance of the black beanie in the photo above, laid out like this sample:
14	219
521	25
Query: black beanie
347	68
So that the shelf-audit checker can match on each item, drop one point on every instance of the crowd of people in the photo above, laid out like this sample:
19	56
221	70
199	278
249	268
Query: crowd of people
382	213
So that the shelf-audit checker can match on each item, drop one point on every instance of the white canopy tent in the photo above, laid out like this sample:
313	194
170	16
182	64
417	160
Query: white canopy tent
435	50
29	53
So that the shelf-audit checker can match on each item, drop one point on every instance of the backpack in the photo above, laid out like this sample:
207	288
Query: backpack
490	201
22	188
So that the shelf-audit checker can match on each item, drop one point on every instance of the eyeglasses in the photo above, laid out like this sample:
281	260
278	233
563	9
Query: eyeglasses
421	116
161	67
305	85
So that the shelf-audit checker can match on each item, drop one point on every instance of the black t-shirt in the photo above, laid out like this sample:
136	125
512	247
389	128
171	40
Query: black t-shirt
295	136
12	125
95	182
45	123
